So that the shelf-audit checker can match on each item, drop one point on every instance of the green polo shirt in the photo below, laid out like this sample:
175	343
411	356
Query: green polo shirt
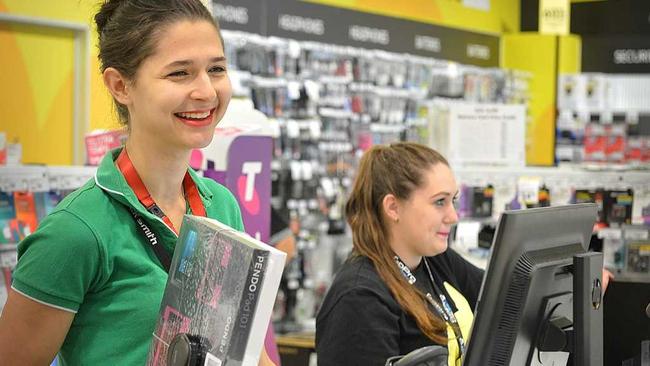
89	258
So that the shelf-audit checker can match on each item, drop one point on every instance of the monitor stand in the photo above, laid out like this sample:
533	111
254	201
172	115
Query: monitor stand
584	336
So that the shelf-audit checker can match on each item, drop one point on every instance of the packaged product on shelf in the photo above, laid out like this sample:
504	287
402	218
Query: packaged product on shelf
219	296
634	149
595	142
596	91
7	214
98	143
571	92
618	206
25	207
3	148
476	201
615	143
613	248
637	244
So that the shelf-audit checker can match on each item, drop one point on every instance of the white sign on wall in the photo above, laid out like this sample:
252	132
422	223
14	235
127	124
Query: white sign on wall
554	16
477	4
487	134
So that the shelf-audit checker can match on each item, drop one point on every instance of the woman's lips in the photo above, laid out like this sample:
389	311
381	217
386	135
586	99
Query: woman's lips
195	122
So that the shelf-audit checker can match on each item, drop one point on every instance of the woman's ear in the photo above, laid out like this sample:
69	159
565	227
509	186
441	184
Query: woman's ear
117	85
390	204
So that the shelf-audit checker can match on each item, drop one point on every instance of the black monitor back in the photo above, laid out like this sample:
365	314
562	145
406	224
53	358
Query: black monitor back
529	276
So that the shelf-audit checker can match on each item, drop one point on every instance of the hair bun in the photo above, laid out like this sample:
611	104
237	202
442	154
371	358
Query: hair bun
105	13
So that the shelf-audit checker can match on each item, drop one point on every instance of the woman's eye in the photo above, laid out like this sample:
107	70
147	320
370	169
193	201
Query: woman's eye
217	69
177	73
440	202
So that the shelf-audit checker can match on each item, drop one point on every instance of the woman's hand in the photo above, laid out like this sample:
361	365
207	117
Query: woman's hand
265	360
607	276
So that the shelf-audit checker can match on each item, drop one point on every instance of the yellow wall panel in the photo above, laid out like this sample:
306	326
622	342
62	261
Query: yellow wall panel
17	101
70	10
43	60
535	54
570	54
40	110
48	55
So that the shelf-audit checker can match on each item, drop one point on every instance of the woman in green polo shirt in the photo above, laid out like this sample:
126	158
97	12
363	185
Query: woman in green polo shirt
88	285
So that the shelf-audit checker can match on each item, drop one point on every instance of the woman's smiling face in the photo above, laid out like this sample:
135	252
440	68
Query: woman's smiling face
181	91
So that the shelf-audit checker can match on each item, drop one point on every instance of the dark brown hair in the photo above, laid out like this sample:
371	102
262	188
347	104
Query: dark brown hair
396	169
129	29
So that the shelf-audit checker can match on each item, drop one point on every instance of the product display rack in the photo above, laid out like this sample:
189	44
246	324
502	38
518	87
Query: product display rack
327	105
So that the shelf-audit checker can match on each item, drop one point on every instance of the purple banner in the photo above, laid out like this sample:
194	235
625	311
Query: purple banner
248	177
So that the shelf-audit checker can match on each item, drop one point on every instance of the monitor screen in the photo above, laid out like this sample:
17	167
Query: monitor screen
529	280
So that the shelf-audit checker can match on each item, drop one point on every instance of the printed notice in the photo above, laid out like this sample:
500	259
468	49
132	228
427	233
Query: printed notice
487	134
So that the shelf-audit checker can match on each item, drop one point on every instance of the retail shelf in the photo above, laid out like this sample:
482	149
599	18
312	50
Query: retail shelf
571	175
43	178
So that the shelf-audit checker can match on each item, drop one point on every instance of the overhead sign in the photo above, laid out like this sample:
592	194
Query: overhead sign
620	54
305	21
241	15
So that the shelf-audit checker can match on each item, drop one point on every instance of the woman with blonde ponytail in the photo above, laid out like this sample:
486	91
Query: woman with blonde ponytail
401	288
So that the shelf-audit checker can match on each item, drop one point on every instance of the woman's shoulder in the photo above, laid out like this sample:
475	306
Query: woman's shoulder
89	204
358	276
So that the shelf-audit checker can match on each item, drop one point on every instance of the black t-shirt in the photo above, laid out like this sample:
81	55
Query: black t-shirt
360	323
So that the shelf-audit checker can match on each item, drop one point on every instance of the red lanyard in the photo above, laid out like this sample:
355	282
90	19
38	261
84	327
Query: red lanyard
192	195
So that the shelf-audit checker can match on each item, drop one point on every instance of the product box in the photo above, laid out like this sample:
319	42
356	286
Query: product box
7	215
613	248
615	143
635	149
220	294
595	142
3	148
571	91
100	142
637	244
618	207
26	214
596	86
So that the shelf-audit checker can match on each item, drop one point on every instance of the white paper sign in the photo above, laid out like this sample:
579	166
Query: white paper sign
491	134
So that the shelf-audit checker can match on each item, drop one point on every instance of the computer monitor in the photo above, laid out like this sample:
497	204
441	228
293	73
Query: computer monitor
539	276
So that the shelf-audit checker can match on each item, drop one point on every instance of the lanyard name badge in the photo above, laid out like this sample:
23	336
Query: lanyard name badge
133	179
442	307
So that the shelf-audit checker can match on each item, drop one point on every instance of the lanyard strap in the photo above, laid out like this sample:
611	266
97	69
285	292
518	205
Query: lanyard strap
443	308
152	238
192	195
